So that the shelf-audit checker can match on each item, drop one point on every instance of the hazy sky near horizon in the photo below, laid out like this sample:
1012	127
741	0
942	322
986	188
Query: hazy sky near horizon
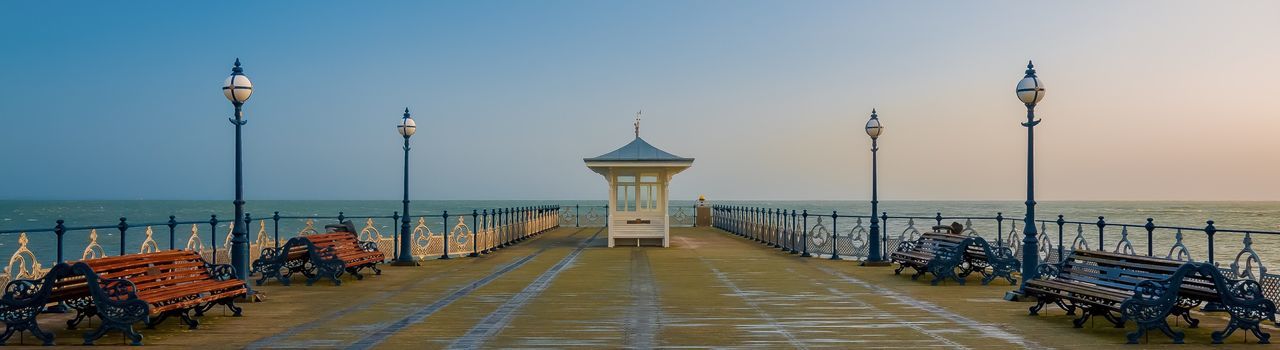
1145	100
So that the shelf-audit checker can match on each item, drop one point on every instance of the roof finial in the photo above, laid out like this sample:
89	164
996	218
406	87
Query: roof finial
637	124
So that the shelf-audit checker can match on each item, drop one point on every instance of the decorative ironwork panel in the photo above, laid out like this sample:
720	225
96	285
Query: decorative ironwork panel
149	244
1179	250
370	233
854	244
262	240
567	215
460	237
308	229
23	264
680	217
93	250
426	243
820	238
1124	246
1251	261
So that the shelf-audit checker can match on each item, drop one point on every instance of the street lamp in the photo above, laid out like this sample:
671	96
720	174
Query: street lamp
406	128
874	258
237	89
1030	91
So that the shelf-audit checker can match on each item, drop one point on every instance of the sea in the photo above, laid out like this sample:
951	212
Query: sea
1263	218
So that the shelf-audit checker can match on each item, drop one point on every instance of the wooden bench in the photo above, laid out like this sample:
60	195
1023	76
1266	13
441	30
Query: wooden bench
1146	290
123	290
326	255
952	256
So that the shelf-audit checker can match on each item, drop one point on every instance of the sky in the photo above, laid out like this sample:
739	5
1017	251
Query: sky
1145	100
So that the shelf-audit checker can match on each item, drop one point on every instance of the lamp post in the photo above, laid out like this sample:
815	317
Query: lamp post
406	128
237	89
874	258
1030	91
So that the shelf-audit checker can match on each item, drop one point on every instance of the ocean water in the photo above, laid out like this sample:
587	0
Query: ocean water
1254	216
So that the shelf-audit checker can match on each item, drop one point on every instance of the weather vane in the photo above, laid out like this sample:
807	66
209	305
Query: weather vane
638	123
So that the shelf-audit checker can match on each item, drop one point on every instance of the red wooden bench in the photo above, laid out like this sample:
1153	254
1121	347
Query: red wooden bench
123	290
327	255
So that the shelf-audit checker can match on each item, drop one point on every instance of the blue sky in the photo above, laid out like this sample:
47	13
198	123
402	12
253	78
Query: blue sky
1145	100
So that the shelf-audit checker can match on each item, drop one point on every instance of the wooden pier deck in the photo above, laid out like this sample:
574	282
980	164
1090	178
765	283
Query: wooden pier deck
564	289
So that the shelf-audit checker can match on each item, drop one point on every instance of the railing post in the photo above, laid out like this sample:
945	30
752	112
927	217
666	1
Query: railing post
495	236
341	217
213	236
526	220
1102	224
445	234
248	246
757	214
1151	227
275	220
835	237
1000	229
173	225
737	221
123	226
804	240
475	234
487	224
767	233
742	223
771	225
1061	251
778	228
506	227
782	229
59	230
1210	230
577	213
938	218
884	234
760	225
791	237
395	236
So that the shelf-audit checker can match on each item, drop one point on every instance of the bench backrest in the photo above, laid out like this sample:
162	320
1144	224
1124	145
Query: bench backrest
146	271
1124	272
933	241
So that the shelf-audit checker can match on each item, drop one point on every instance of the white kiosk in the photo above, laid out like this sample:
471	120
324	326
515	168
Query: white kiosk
638	174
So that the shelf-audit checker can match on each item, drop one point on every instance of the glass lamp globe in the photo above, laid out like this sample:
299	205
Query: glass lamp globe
237	88
1030	89
874	129
407	127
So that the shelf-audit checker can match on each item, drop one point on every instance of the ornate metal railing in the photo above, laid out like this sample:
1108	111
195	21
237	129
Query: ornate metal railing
473	232
846	237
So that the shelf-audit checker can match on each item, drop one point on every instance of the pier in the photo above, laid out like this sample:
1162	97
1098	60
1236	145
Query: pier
133	215
564	289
